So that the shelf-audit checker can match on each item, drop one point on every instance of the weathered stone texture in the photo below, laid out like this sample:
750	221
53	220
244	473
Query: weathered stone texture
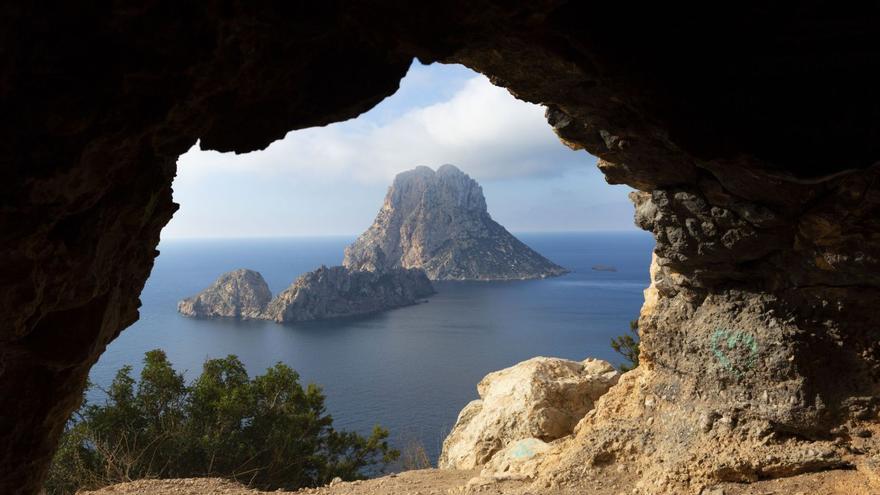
541	398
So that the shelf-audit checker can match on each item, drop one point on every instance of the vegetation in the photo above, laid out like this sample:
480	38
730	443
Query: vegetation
627	345
268	432
414	456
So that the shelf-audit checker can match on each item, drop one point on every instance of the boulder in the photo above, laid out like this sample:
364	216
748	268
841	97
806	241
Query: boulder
541	398
519	459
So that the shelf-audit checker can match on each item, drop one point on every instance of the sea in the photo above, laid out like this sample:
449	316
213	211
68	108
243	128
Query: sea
411	369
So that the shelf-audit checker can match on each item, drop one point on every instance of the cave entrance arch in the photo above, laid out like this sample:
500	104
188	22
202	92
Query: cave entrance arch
761	312
238	192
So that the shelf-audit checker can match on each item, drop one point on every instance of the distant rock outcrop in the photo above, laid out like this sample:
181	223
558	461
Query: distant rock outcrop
320	294
433	225
438	221
237	294
540	399
337	291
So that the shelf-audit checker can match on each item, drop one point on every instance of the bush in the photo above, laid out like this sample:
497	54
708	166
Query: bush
414	456
267	432
627	345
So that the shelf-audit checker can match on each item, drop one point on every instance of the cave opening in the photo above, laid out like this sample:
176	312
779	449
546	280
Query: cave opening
750	135
294	206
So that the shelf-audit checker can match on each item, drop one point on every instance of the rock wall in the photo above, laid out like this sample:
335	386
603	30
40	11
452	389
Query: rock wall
750	129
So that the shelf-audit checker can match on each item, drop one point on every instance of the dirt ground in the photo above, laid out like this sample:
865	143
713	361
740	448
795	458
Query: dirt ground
452	482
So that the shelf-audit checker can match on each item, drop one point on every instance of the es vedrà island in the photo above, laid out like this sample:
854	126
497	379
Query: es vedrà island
433	225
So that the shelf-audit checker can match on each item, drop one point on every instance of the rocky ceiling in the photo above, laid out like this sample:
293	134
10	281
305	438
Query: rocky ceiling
751	130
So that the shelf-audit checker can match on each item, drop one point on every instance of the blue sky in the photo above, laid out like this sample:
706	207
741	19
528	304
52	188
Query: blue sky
332	180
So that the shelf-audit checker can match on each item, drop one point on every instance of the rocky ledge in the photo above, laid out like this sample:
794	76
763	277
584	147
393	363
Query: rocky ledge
324	293
438	221
240	293
512	441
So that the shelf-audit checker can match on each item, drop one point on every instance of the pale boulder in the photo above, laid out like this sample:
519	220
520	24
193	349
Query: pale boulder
542	398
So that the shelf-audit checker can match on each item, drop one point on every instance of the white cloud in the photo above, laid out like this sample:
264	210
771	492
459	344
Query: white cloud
331	180
481	128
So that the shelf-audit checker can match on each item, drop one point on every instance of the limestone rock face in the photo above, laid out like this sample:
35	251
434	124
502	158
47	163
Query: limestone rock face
438	221
237	294
542	398
337	291
519	459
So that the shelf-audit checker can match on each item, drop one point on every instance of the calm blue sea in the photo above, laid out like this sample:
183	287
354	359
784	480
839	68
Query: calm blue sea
412	369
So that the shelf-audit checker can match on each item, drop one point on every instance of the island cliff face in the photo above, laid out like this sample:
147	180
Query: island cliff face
237	294
337	291
438	221
320	294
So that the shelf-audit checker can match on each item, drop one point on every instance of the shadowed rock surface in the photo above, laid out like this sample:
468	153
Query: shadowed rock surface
237	294
749	130
438	221
336	292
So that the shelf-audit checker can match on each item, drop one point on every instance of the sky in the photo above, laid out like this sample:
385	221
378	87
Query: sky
331	180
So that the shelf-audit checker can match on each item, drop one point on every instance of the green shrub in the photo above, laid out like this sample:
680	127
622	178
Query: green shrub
267	432
627	345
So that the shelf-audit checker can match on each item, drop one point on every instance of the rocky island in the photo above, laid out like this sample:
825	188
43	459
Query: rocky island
336	291
438	221
237	294
432	226
325	293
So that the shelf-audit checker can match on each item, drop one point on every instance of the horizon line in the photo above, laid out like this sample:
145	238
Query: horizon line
295	236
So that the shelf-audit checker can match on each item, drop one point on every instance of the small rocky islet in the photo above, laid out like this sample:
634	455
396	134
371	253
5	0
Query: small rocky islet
337	291
240	294
325	293
433	225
